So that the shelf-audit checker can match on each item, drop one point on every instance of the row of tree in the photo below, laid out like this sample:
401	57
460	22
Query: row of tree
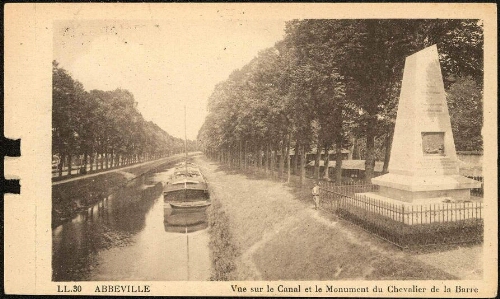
332	84
103	128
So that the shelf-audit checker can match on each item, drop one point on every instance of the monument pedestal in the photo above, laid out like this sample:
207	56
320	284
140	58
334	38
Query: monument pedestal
423	184
414	188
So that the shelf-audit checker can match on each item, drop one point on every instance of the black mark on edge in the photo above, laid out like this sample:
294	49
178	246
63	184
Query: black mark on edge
10	148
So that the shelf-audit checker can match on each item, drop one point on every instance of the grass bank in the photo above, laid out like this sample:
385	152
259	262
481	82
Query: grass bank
314	251
223	252
281	237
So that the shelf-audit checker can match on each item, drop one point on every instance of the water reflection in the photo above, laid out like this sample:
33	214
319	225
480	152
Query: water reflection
122	238
185	220
110	223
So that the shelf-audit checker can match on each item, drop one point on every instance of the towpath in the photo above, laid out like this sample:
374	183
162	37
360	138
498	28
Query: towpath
121	169
281	237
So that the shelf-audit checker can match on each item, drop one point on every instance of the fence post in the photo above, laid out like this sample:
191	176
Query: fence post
453	207
421	214
447	214
412	220
403	213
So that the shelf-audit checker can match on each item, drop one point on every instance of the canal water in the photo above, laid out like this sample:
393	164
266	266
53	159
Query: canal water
131	235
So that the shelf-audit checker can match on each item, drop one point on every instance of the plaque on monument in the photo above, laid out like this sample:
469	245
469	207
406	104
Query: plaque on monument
433	143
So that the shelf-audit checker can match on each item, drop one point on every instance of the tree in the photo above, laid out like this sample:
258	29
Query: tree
105	123
68	97
466	112
329	82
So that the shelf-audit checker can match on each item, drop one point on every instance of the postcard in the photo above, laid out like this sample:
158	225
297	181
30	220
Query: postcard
252	149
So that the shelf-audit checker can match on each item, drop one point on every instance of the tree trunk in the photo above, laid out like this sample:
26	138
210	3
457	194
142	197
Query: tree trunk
282	159
271	159
288	158
91	160
102	158
69	164
388	146
317	160
259	157
61	163
60	152
106	158
338	160
85	160
245	156
370	150
231	156
112	157
326	168
231	153
240	162
254	152
275	157
302	164
266	160
296	158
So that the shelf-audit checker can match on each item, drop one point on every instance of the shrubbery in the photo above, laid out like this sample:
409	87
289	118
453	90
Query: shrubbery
405	236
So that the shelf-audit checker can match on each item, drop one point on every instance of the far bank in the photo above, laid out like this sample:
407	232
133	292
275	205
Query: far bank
78	194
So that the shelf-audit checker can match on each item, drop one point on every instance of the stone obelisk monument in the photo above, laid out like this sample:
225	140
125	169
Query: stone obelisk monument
423	165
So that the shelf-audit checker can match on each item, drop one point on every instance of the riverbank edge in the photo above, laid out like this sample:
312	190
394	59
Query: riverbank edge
69	210
223	252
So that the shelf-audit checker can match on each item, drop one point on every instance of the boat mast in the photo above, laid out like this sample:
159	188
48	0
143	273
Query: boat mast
186	151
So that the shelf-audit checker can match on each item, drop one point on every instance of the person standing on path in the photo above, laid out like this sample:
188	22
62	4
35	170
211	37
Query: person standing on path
315	193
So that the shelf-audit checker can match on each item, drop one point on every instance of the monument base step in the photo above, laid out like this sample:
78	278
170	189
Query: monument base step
425	183
425	196
417	202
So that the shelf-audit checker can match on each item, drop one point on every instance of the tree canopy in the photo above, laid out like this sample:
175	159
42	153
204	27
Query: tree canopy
104	125
329	82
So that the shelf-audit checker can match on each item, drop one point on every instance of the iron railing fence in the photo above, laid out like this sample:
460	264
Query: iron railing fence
403	224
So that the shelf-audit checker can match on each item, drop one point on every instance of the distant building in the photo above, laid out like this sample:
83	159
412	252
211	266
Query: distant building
311	155
350	168
470	165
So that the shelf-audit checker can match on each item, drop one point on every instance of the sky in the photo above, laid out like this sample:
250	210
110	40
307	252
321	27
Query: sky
165	64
